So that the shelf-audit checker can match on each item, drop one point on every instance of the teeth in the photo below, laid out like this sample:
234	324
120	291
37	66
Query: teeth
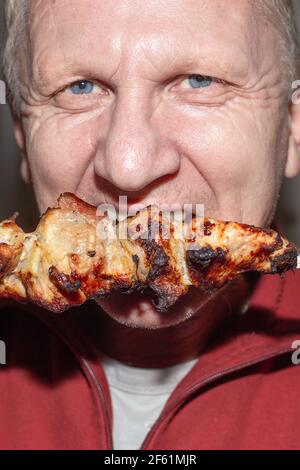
298	262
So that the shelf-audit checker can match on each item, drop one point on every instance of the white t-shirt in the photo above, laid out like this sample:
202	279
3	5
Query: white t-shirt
138	396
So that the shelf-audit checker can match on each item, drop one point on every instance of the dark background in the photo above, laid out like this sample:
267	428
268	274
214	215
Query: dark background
15	195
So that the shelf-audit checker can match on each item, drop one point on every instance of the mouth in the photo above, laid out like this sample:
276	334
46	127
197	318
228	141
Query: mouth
123	208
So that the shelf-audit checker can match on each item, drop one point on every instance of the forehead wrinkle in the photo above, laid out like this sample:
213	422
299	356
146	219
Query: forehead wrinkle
239	53
154	47
166	55
61	39
41	55
41	9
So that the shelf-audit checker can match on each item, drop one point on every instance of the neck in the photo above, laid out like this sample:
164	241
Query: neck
164	347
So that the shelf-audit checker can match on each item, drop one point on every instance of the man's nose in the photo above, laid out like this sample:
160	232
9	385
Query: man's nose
135	151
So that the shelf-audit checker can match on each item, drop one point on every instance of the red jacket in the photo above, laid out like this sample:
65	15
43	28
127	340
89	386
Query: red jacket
243	393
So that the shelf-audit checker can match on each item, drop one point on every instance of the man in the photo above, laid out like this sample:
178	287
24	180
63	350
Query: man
166	102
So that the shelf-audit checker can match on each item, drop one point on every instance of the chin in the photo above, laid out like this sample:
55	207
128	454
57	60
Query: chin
137	310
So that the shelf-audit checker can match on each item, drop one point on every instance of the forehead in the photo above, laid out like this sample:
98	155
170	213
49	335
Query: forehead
156	15
141	8
162	30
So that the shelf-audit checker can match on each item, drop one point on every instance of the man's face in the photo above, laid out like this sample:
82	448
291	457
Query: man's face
164	101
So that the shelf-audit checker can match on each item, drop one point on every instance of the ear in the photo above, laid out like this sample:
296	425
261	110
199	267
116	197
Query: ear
292	166
21	142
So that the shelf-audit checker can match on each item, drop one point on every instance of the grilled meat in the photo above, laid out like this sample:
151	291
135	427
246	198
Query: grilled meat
75	255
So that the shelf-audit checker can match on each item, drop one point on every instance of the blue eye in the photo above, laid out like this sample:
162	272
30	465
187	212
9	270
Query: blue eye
199	81
83	87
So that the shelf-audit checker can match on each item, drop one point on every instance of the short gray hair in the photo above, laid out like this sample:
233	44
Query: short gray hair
15	23
282	15
279	12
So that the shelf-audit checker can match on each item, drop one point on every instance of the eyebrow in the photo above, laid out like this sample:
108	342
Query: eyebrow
223	65
219	68
47	82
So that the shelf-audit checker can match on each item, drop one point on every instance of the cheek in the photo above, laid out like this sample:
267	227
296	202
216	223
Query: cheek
235	155
221	147
59	151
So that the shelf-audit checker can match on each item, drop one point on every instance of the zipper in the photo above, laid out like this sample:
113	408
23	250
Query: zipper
210	379
107	420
